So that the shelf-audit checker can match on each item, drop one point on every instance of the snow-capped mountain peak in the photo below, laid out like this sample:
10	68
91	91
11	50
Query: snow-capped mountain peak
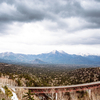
55	51
6	54
61	51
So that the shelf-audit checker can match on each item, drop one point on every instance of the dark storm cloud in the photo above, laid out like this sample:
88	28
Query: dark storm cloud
97	0
40	10
37	10
21	13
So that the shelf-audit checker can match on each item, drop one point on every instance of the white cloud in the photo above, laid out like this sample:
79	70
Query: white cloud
33	38
90	5
30	27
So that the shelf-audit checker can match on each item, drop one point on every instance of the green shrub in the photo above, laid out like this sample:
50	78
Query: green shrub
8	92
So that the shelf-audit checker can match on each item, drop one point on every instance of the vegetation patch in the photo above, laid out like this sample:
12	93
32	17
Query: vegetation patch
8	92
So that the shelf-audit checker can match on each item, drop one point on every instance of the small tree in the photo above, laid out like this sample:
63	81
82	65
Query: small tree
29	95
19	82
8	92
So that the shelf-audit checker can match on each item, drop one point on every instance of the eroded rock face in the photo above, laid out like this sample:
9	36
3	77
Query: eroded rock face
93	94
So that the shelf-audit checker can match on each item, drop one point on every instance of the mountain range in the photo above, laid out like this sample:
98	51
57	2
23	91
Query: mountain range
54	57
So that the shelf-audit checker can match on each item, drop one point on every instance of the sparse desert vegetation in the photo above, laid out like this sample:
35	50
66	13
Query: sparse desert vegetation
48	75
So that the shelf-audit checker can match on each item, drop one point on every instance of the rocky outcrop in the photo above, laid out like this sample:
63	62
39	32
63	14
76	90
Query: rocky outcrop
93	94
3	96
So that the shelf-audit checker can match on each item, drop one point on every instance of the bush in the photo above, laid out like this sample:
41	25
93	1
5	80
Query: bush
8	92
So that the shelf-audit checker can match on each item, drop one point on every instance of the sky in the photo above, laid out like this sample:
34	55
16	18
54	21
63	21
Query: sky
40	26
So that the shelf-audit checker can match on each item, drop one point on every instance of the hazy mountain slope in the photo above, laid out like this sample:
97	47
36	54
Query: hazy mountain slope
5	61
37	61
54	57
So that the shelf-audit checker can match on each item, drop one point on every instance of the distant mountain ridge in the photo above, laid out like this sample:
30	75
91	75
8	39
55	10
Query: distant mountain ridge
38	61
54	57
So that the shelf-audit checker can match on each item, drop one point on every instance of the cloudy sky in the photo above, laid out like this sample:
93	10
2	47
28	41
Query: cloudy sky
39	26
